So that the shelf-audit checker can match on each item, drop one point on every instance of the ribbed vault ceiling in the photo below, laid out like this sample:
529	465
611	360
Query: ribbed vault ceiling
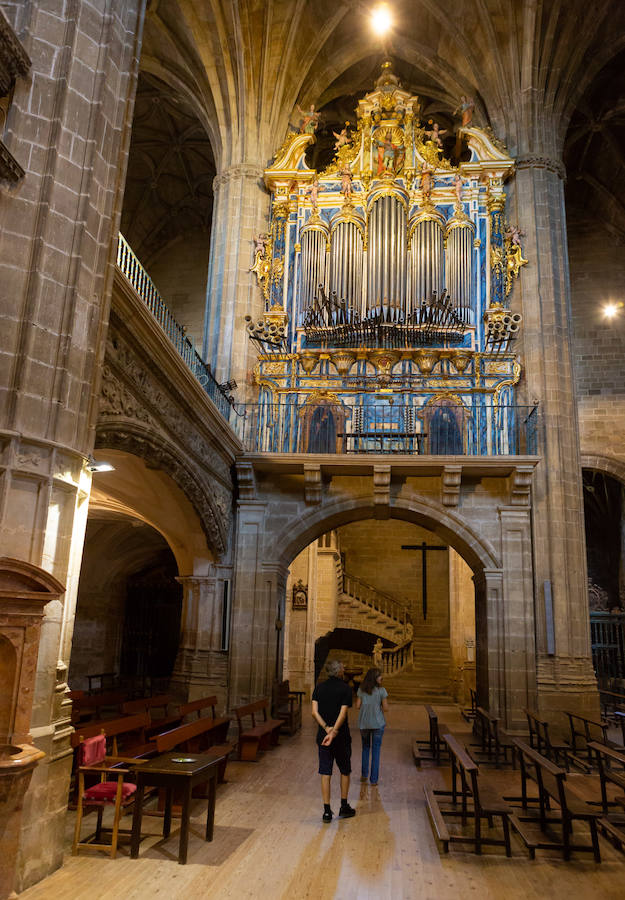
220	82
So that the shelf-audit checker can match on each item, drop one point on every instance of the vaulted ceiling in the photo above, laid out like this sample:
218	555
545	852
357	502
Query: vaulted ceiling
220	83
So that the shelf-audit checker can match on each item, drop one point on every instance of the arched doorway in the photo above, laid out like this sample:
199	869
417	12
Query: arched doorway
385	593
605	555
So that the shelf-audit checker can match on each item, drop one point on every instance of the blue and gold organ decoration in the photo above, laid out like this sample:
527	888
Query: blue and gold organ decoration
386	277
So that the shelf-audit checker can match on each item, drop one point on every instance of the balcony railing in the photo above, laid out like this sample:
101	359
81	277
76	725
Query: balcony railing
432	430
130	266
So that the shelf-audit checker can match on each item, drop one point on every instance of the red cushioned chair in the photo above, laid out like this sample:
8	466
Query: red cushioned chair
118	793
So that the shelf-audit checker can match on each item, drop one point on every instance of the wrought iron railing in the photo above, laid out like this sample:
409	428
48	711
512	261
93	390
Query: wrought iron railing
144	287
441	429
607	638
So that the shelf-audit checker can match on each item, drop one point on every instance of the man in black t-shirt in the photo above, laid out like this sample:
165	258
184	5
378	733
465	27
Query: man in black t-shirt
330	701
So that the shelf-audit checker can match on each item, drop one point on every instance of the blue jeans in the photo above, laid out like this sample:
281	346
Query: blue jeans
369	736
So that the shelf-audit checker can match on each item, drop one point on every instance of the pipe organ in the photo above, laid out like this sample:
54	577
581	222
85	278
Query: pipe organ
389	270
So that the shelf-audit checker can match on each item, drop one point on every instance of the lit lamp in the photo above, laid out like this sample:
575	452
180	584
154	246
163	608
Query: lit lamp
94	466
610	310
381	19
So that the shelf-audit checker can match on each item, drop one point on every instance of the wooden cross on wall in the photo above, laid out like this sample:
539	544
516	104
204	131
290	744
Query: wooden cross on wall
424	571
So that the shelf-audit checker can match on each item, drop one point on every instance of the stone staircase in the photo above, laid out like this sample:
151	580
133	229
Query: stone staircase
429	679
364	608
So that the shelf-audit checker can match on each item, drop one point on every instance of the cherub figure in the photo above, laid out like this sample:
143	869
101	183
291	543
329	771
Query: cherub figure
514	234
465	108
309	121
426	181
458	188
435	134
260	243
313	189
346	181
342	138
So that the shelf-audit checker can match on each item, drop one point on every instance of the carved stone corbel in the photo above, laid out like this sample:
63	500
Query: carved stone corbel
246	480
521	486
382	485
450	485
312	484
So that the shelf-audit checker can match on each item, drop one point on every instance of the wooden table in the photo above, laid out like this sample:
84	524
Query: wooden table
163	771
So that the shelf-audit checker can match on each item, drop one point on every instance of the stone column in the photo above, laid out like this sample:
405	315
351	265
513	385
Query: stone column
69	125
201	665
558	517
239	212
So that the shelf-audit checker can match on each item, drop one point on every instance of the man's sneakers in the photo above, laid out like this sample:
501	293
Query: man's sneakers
327	815
346	811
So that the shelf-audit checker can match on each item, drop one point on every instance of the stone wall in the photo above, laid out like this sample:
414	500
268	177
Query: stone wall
598	278
179	273
373	553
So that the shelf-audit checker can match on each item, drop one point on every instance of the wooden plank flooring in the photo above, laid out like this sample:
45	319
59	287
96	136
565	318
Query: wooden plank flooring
270	841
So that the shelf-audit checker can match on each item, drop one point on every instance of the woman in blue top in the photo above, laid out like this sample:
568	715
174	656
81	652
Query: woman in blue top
372	703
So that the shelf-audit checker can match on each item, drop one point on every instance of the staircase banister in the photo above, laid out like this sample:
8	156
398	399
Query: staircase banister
403	609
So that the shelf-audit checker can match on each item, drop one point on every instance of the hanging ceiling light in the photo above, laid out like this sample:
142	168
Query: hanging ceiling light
381	19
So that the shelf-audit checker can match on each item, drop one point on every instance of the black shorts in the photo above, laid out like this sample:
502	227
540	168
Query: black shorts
339	751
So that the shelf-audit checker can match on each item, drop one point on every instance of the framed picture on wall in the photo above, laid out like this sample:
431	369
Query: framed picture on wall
300	595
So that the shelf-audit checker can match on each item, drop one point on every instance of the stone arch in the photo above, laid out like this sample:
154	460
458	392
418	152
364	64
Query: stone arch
478	552
605	464
157	451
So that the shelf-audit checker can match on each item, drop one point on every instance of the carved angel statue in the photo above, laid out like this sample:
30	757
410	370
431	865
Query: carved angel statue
458	188
260	243
514	234
313	189
435	134
426	181
465	108
309	121
342	138
346	181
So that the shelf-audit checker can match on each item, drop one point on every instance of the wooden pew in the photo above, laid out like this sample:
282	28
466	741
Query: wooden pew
469	713
475	799
434	747
200	736
259	736
551	783
150	705
129	729
611	825
585	731
92	706
540	740
287	705
494	743
220	724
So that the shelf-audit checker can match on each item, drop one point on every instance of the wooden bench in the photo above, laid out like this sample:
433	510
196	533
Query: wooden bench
206	735
287	706
550	780
494	743
259	736
219	724
434	747
150	705
475	799
611	700
540	740
611	825
130	728
469	712
585	731
92	706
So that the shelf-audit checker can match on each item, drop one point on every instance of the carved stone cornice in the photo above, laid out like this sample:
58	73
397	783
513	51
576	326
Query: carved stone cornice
542	162
238	172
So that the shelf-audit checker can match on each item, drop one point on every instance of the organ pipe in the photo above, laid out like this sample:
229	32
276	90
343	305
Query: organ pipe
386	256
427	260
346	263
313	266
459	268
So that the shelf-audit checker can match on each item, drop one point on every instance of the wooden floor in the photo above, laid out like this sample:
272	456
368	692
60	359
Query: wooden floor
270	841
